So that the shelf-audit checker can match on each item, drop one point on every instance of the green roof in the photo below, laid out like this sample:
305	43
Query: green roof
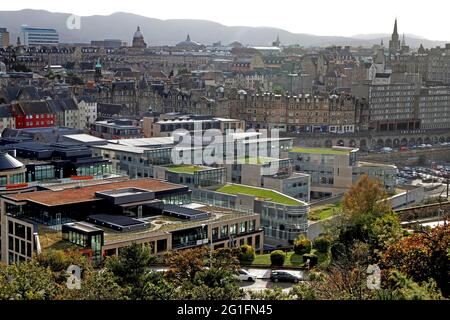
265	194
189	169
321	151
255	160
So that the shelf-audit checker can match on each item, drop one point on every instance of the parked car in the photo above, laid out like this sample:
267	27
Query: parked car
244	275
284	276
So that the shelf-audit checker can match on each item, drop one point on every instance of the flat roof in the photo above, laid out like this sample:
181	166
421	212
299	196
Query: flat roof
331	151
144	142
362	164
184	168
121	147
86	194
82	137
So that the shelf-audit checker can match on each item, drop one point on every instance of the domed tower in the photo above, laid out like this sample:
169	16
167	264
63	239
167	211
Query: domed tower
138	39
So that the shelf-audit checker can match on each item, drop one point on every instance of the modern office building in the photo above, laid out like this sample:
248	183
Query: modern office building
39	36
283	218
272	173
138	156
4	37
116	129
385	173
98	218
334	170
191	175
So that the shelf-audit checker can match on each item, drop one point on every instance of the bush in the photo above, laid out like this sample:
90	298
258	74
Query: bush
246	253
322	244
313	259
277	258
302	246
337	251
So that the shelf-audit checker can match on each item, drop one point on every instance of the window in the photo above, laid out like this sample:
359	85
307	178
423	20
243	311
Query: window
161	245
223	232
215	233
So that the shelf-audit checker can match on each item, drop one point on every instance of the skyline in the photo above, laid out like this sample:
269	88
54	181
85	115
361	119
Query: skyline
368	21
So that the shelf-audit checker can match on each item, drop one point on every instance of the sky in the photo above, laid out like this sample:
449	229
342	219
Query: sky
428	19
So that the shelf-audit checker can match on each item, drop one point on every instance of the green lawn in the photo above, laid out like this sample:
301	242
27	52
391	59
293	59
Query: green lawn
265	194
184	169
292	259
324	212
320	151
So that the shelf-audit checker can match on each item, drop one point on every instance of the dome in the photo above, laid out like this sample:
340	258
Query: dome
8	162
188	43
138	34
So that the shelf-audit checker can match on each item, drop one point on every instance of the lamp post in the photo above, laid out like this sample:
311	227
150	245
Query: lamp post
210	244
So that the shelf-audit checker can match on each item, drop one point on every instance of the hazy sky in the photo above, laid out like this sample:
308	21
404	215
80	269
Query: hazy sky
428	19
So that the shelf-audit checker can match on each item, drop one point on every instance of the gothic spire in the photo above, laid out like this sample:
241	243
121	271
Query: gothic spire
395	27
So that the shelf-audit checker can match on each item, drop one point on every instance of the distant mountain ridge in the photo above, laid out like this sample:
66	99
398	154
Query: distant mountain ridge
122	26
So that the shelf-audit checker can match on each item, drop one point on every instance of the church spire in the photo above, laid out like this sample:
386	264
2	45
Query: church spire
403	41
395	27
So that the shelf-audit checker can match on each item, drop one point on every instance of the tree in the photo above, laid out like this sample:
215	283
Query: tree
27	281
211	284
95	285
277	258
400	287
278	89
270	294
157	287
184	264
422	255
226	258
385	231
365	201
130	267
322	244
59	261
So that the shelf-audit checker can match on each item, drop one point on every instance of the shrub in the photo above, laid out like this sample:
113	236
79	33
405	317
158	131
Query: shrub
337	251
246	253
313	259
322	244
302	246
277	258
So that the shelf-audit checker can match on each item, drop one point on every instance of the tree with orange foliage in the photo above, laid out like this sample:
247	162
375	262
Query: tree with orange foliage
365	201
422	256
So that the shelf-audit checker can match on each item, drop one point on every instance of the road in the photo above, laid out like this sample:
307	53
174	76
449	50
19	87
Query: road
262	282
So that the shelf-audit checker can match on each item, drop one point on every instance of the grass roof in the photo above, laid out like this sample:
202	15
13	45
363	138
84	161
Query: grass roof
265	194
189	169
321	151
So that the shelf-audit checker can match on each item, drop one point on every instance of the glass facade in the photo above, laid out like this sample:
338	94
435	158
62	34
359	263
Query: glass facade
189	237
95	169
44	172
